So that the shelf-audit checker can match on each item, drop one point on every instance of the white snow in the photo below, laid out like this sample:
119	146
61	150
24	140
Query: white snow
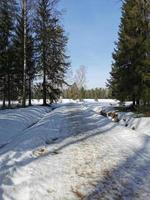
73	153
131	120
14	122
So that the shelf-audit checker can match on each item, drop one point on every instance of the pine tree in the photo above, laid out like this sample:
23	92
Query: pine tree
43	38
24	16
50	43
25	65
131	56
58	64
31	68
7	21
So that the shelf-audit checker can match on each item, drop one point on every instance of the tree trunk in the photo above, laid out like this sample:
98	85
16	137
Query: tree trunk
4	94
44	74
9	92
30	92
25	53
137	102
44	87
133	100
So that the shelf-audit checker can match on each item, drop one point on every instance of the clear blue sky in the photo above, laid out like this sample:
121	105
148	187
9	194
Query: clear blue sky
92	27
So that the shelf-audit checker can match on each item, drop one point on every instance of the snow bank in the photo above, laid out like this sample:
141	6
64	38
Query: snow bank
128	119
131	120
14	121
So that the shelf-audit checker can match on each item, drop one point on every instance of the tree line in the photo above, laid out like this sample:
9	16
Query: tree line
32	49
78	89
74	92
130	75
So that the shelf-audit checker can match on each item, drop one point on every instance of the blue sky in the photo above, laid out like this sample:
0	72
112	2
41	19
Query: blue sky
92	27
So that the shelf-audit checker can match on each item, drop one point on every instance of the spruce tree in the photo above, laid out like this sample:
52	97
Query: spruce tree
7	21
42	29
131	56
58	58
50	46
24	74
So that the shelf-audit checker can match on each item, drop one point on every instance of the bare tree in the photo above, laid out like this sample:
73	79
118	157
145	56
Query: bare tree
80	77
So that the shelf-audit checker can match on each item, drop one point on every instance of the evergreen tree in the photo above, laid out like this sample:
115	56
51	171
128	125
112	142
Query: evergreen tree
131	56
50	43
58	65
24	74
7	22
31	68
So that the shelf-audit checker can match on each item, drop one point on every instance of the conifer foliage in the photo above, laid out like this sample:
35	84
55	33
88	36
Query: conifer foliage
130	75
7	21
32	47
50	43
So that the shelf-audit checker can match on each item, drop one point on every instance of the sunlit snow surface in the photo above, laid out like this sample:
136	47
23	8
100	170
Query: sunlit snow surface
72	153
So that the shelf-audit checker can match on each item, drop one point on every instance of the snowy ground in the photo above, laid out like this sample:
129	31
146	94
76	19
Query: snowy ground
73	153
15	122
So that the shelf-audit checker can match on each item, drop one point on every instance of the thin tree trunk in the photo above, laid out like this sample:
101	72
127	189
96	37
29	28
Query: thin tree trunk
30	92
25	53
133	100
137	102
44	86
44	74
4	94
9	95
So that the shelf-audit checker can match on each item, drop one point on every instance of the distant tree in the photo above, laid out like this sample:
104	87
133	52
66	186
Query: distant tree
37	91
82	93
80	77
74	92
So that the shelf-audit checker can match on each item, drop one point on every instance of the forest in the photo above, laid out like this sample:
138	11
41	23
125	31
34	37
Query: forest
34	62
32	50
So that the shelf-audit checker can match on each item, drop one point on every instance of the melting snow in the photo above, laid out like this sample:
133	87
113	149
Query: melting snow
72	153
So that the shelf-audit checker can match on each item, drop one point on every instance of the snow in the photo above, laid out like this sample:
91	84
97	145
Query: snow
14	122
104	102
131	120
73	153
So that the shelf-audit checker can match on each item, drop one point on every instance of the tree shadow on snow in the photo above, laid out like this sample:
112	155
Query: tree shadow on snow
78	126
60	125
129	181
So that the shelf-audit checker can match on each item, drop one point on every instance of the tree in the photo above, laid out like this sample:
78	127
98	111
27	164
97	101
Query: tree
7	21
27	55
73	92
132	54
24	16
31	68
50	43
43	38
80	77
59	64
24	57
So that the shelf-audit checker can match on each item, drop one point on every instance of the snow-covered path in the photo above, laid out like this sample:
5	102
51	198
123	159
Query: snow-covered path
73	153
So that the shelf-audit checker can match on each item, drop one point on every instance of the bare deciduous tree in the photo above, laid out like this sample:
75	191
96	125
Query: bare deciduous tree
80	77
